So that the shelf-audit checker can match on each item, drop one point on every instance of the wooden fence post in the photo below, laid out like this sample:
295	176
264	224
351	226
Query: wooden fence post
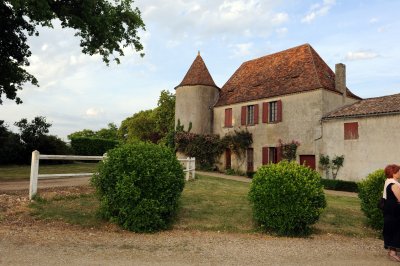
34	174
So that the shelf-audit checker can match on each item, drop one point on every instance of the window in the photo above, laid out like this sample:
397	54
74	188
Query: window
250	115
351	130
228	117
270	155
273	111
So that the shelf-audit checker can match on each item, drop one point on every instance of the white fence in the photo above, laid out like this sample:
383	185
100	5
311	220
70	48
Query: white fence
36	156
189	165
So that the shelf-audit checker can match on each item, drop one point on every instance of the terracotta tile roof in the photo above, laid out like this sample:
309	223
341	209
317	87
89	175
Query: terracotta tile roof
368	107
294	70
197	74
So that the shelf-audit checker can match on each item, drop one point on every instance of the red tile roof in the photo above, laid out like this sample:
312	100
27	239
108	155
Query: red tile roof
294	70
197	75
368	107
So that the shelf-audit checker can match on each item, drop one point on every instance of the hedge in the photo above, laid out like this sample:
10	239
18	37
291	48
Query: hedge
92	146
340	185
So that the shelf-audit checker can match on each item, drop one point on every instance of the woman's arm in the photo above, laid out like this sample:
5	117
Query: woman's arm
396	191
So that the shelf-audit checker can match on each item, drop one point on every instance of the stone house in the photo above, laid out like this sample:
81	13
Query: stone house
292	95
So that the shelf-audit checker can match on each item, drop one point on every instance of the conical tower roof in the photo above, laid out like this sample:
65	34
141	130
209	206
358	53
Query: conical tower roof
198	74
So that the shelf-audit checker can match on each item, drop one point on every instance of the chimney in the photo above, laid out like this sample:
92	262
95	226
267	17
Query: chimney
340	79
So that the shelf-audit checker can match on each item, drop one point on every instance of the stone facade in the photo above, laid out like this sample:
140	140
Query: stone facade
314	104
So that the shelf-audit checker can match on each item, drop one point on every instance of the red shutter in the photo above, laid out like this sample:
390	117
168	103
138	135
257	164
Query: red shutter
228	117
279	115
265	155
244	115
256	114
265	113
278	154
351	130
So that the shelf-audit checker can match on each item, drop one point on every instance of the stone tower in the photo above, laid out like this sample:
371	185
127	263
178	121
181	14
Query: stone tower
195	98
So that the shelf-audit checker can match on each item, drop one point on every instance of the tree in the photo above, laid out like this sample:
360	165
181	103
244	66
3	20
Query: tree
140	126
11	148
165	113
105	27
86	133
108	133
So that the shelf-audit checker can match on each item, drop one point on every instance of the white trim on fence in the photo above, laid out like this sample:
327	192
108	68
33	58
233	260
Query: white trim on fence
36	156
190	168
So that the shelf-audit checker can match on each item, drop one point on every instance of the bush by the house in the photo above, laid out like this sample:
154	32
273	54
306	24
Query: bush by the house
287	198
139	186
340	185
370	191
92	146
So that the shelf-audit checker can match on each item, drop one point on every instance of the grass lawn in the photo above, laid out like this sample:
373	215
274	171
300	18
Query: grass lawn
215	204
21	172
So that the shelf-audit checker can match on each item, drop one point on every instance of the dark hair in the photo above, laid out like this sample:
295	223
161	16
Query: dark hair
391	169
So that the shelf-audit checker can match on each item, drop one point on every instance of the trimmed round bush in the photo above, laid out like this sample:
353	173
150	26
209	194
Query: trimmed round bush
139	186
287	198
370	191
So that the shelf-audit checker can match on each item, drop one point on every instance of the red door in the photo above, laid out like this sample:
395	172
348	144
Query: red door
228	159
308	160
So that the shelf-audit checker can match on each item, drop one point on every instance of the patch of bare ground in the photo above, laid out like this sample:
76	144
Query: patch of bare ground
25	240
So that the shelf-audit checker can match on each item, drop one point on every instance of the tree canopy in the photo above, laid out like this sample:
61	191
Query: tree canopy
111	132
104	27
151	125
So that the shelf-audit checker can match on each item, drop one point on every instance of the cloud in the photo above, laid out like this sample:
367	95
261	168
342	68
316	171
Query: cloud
360	55
318	10
94	112
242	49
373	20
212	19
282	31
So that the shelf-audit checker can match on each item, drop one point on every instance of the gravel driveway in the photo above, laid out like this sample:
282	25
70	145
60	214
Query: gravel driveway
26	241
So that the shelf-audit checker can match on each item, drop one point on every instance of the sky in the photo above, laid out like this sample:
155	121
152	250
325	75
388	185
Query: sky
79	91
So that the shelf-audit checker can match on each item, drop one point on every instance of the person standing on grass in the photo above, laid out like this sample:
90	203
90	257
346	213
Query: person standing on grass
391	211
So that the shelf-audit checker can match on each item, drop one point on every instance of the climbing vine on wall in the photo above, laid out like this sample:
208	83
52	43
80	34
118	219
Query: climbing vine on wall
208	148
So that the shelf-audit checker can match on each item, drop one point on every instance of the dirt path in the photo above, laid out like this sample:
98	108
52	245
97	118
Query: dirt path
25	240
39	245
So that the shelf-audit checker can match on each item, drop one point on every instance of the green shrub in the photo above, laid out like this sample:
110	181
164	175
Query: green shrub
92	146
340	185
370	191
287	198
139	186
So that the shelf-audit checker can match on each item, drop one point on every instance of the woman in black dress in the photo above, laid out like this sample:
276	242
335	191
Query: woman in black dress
391	212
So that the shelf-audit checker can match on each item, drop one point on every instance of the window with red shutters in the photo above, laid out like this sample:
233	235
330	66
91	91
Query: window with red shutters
265	112
351	130
256	114
243	115
265	155
279	111
228	117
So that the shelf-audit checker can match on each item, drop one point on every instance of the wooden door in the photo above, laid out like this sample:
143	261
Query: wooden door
308	160
228	159
250	160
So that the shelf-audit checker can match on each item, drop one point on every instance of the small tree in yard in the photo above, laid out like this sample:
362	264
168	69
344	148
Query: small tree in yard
139	186
287	198
326	164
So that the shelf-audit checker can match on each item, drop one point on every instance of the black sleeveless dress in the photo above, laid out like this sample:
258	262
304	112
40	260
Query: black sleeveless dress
391	217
